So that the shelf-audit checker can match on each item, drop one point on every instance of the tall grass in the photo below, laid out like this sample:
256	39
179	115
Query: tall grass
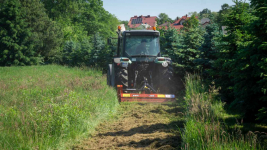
204	128
43	106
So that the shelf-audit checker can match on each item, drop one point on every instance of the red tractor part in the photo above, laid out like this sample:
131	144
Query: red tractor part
154	98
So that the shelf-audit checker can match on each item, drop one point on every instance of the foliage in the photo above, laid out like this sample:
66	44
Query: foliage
222	14
257	54
82	22
89	52
193	13
235	62
44	106
204	128
77	53
205	13
89	14
163	18
182	47
233	67
46	28
17	46
208	51
45	33
170	42
192	38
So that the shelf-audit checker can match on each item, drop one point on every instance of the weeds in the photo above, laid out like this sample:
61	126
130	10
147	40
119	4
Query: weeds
204	128
43	106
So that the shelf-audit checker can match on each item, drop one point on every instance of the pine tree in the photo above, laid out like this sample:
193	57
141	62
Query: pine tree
207	51
222	14
46	34
192	39
228	48
256	54
205	13
183	46
98	45
170	41
16	45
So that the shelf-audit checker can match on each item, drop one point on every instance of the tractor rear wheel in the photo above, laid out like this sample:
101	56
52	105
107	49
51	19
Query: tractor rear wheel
166	85
110	76
122	77
109	73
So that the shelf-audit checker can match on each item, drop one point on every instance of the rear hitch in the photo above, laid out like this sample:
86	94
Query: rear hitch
148	87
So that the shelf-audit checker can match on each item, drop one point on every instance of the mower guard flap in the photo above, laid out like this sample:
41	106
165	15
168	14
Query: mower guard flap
154	98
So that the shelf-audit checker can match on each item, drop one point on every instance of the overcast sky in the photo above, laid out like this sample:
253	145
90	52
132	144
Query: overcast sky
125	9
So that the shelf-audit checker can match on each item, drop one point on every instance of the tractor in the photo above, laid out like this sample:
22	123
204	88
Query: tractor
138	70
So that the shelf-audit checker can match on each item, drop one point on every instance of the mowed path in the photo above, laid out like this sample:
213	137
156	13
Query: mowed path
138	126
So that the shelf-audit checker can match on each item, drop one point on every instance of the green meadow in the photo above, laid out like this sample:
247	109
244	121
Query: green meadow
41	107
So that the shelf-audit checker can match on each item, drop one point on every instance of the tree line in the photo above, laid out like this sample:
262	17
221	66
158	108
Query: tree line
73	33
70	32
234	61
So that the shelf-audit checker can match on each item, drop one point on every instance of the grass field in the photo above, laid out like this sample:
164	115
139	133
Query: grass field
206	127
41	107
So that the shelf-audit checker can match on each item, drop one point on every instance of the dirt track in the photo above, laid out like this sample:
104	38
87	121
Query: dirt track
139	126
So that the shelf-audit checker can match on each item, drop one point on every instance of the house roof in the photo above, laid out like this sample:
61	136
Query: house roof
182	18
204	20
176	24
165	24
137	21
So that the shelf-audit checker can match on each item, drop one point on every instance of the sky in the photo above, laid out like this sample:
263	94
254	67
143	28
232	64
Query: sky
125	9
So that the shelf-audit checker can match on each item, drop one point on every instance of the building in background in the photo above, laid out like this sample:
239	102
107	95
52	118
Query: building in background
224	30
147	22
204	22
142	21
177	24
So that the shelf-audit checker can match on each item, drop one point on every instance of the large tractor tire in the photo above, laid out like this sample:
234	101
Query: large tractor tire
110	76
109	73
166	85
121	77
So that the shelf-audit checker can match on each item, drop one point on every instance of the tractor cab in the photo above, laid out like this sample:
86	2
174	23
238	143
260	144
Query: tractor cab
140	43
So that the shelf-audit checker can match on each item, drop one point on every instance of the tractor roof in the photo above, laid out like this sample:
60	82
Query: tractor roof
140	31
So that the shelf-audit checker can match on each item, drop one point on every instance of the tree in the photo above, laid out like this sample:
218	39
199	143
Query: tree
17	47
89	14
46	34
207	51
225	10
233	69
183	47
163	18
98	46
205	13
192	38
193	13
257	56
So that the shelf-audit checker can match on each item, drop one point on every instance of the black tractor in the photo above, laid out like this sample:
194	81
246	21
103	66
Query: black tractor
138	65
